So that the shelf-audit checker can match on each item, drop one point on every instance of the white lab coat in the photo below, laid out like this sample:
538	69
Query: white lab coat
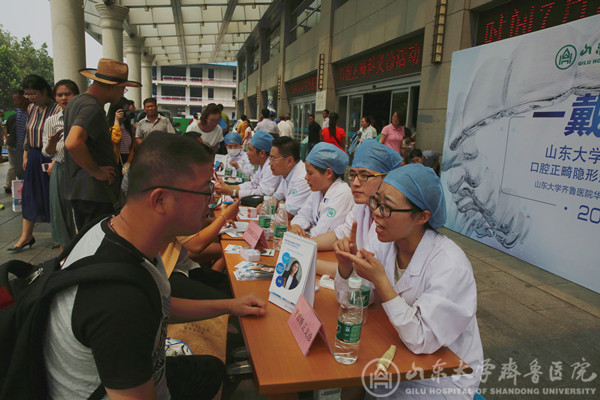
436	307
244	163
294	189
321	214
365	228
262	183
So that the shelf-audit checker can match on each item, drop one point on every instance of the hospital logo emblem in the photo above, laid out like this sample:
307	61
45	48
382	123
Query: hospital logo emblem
565	57
294	191
331	213
380	383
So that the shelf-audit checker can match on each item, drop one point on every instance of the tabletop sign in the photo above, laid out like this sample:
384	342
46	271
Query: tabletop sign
305	324
295	272
255	235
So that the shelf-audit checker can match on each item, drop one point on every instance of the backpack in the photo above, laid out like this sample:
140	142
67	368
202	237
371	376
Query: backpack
26	292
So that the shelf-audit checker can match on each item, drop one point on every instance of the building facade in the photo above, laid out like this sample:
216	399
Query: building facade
374	58
185	89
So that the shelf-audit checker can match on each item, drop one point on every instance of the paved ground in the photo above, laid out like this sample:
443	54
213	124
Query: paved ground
530	320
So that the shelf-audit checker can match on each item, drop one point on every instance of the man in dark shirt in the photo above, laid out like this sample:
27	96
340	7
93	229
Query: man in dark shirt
111	333
314	133
91	177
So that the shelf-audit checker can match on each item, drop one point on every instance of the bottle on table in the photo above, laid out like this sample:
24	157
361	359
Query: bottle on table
366	295
280	225
347	337
265	215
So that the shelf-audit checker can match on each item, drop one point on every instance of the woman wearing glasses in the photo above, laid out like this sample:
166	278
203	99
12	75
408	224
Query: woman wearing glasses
35	196
424	280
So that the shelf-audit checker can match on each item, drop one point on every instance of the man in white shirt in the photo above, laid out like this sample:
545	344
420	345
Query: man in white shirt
284	128
325	123
263	182
285	161
266	124
152	122
288	119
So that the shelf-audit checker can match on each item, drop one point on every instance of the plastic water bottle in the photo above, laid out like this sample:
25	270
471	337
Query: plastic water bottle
280	226
347	337
265	215
366	295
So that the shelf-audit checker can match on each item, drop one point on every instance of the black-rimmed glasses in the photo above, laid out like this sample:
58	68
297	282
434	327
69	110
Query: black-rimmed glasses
211	186
385	211
362	176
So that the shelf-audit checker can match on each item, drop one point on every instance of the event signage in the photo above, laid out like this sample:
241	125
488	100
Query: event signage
302	86
391	61
521	167
524	16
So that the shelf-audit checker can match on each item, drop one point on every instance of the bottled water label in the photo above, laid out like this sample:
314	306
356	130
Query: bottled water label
279	231
264	221
366	294
347	330
228	172
240	174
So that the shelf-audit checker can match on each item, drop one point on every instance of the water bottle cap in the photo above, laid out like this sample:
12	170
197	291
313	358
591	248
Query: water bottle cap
354	282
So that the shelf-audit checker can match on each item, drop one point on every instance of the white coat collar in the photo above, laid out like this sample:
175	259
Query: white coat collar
417	262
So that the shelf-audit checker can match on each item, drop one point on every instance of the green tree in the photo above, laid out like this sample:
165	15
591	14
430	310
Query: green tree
17	60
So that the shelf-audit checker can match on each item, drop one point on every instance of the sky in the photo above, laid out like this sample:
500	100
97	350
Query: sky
38	25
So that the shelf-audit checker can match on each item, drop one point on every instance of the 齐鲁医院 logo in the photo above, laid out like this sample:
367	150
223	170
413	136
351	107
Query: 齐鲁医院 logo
565	57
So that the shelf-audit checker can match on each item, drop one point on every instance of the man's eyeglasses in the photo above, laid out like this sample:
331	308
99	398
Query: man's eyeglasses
385	211
271	158
362	176
211	186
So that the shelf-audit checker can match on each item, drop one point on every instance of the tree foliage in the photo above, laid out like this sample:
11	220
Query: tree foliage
17	60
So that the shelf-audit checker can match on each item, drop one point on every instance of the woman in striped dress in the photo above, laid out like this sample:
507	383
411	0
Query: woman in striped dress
62	222
35	196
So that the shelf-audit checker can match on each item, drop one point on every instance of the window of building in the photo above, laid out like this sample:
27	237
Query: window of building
173	91
253	61
234	75
211	74
195	93
196	72
305	16
154	90
242	68
170	72
233	94
273	43
211	93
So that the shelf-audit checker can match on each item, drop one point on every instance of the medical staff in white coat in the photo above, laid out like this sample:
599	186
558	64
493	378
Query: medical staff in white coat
372	161
237	159
285	162
424	280
262	182
331	197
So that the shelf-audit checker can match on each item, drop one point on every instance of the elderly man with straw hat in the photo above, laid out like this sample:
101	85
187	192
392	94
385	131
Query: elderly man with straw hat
91	176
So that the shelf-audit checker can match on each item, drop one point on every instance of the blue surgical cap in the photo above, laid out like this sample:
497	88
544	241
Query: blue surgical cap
421	186
262	141
233	137
376	156
326	155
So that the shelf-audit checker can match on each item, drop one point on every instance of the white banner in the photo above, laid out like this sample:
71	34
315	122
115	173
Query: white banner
521	166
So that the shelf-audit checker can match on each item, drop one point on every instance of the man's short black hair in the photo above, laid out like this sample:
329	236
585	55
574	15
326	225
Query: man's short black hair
163	159
149	100
415	153
326	110
288	147
311	115
265	112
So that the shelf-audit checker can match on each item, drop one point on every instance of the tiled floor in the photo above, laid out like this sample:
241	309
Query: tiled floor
528	318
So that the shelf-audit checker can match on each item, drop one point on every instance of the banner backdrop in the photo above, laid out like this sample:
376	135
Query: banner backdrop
521	166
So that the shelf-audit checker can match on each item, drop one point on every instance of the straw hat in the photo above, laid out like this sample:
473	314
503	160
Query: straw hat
111	72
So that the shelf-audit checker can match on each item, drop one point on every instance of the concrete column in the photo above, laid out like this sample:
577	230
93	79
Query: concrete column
68	40
133	52
111	22
147	60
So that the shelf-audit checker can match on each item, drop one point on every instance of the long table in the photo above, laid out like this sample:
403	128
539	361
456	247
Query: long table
280	367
